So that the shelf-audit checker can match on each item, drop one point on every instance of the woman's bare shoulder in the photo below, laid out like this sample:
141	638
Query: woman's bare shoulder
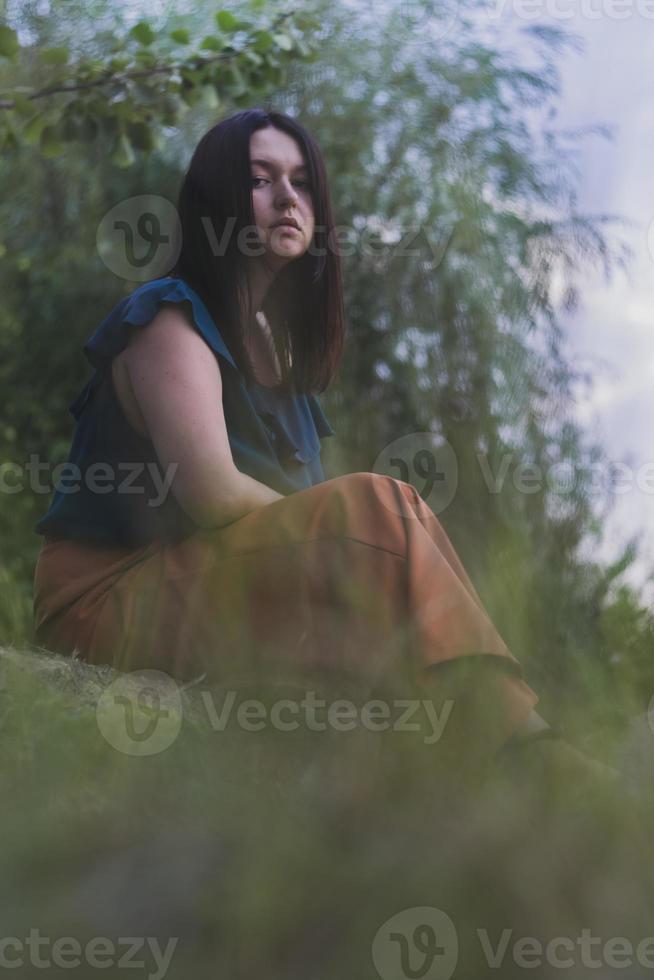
171	328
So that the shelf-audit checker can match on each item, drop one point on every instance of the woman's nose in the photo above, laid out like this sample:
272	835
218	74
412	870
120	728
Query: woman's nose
287	195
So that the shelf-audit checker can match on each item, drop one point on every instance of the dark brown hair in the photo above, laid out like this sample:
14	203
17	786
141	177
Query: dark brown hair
304	304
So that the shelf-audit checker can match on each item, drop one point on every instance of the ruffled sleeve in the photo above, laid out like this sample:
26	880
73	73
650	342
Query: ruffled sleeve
139	308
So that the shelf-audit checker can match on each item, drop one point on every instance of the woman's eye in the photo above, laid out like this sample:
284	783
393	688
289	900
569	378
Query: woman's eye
302	183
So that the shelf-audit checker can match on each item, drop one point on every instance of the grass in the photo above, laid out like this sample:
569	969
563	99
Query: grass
302	854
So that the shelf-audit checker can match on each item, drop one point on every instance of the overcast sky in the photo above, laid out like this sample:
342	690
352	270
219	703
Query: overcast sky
613	333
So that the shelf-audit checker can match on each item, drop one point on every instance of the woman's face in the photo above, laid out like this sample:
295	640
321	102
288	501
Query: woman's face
280	189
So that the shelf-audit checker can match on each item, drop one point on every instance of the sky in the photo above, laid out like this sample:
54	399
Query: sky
613	332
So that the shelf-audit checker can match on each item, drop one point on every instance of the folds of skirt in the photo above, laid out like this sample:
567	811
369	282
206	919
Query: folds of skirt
353	577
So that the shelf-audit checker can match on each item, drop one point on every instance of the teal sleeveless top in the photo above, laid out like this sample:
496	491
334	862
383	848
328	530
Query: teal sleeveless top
114	490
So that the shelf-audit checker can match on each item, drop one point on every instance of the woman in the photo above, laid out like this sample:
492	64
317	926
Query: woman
204	538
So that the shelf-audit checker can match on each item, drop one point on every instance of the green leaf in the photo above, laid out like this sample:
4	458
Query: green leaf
143	33
181	35
123	154
283	41
191	96
226	21
89	70
118	63
237	85
23	105
211	99
212	42
254	58
145	57
305	22
55	56
34	128
264	40
9	45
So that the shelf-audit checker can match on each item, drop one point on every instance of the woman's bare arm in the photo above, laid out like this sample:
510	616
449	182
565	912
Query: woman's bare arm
176	380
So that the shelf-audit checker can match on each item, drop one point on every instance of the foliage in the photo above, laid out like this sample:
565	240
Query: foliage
141	80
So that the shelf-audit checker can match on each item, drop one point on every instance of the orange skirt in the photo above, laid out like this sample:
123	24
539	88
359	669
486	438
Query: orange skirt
354	576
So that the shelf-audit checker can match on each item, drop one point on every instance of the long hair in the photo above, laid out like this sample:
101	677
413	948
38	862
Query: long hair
304	303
